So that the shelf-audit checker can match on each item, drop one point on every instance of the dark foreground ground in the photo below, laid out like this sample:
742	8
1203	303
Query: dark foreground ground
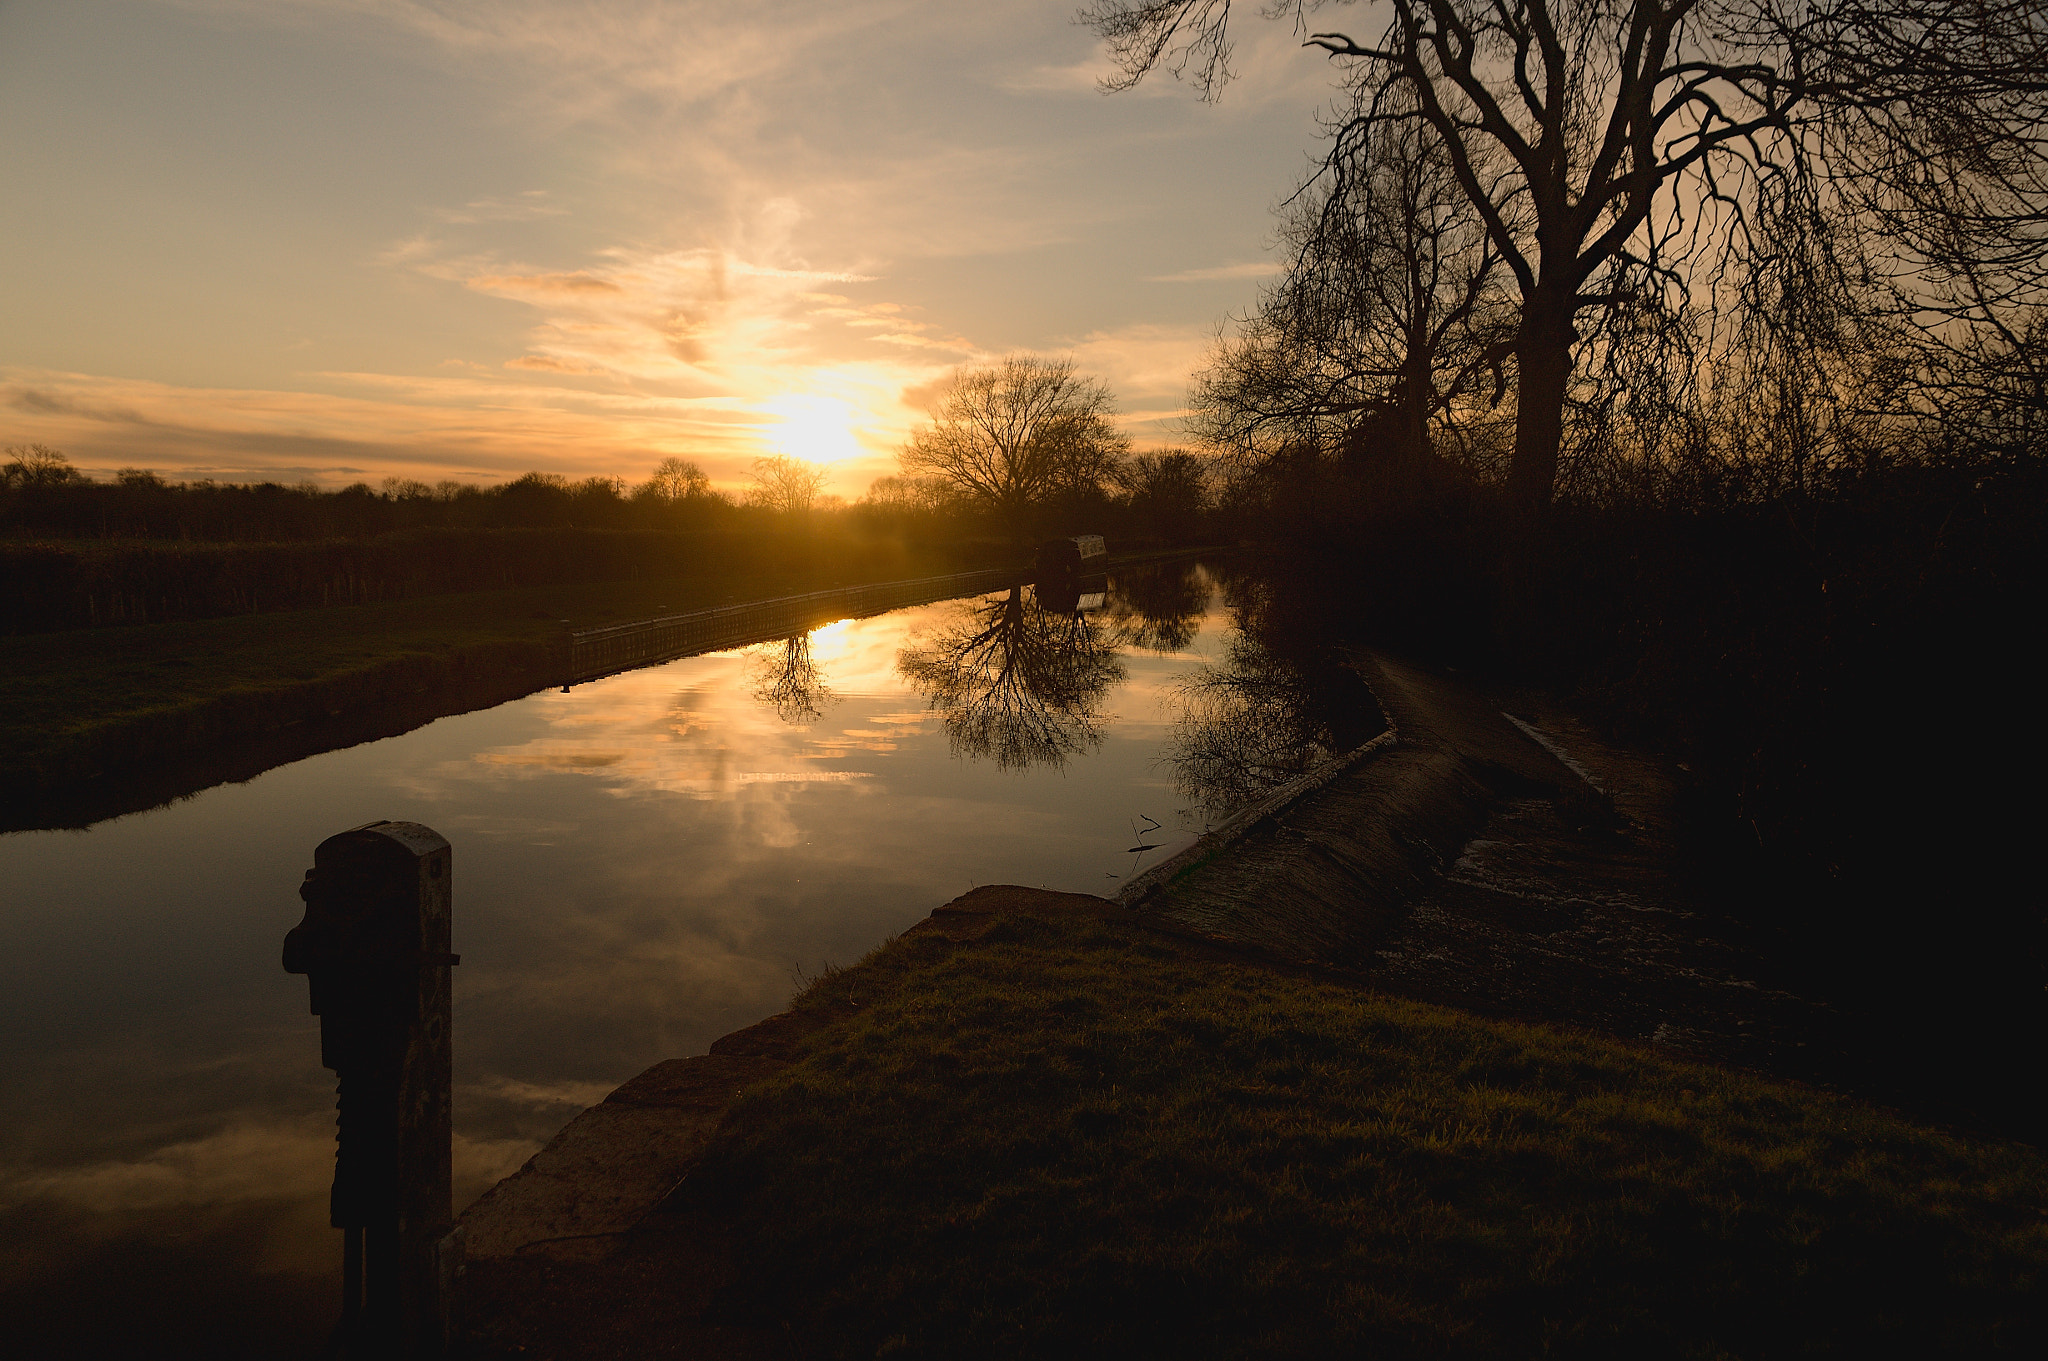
1443	1060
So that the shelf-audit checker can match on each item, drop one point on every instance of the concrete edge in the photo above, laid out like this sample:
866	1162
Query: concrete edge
1140	890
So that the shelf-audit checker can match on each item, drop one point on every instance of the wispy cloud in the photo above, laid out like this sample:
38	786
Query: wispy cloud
674	227
1148	365
540	363
1250	269
579	282
529	206
454	426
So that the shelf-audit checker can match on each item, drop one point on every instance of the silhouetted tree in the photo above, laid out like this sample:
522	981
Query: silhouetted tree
1166	491
675	479
37	465
903	495
1017	435
1388	320
1613	147
785	484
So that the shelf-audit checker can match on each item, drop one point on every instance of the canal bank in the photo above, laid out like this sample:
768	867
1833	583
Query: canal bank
112	721
1201	1119
644	863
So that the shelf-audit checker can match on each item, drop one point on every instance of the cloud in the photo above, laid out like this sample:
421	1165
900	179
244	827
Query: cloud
681	227
247	1161
925	396
1081	77
750	341
39	402
468	426
527	207
1146	361
540	363
579	282
1250	269
435	426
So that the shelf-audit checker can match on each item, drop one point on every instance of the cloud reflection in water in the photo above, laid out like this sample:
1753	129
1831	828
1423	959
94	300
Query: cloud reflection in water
642	864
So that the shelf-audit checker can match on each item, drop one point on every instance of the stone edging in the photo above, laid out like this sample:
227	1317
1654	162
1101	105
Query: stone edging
1136	893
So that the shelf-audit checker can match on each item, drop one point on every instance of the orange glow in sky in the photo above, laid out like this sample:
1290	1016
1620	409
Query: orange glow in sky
339	240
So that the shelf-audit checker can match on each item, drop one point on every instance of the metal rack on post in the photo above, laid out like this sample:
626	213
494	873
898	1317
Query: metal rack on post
374	945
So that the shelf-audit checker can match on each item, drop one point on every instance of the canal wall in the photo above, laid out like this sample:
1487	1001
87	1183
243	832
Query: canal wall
145	759
599	652
148	758
1325	867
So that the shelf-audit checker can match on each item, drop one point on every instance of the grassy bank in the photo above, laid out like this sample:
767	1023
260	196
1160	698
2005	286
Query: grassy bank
1076	1136
91	703
50	586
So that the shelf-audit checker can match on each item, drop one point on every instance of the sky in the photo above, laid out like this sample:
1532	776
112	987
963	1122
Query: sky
344	240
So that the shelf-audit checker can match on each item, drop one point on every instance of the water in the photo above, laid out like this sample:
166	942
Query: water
642	864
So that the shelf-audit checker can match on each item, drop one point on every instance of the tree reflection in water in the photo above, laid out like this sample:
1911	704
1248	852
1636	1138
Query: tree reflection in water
1016	682
790	681
1278	705
1159	608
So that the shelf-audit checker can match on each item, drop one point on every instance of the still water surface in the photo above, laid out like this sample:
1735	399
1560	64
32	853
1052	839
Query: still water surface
642	864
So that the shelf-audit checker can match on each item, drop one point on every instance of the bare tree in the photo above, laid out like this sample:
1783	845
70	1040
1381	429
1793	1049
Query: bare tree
1013	435
785	484
675	479
902	495
1389	313
1613	148
1167	490
1947	194
37	465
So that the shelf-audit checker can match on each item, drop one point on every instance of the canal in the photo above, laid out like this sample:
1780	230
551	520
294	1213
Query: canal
642	864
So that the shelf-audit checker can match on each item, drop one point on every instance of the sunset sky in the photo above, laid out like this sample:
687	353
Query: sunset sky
339	240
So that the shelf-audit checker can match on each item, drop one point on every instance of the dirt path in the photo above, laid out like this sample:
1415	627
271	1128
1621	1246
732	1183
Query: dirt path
1492	854
1572	909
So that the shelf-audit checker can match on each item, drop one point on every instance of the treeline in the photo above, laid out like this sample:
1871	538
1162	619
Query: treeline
42	496
76	553
1169	498
1153	498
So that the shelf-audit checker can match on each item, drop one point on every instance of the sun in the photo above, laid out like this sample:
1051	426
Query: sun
814	428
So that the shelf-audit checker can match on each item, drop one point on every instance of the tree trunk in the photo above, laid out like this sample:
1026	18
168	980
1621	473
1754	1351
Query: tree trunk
1543	365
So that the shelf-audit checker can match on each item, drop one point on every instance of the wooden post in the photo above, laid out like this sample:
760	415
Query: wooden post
374	945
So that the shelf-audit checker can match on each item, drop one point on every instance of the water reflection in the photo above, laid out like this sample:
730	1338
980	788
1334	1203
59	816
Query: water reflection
1242	730
1274	707
1159	609
642	864
788	679
1016	680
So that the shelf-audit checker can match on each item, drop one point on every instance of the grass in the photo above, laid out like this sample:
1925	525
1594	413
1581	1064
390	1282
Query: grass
1079	1137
